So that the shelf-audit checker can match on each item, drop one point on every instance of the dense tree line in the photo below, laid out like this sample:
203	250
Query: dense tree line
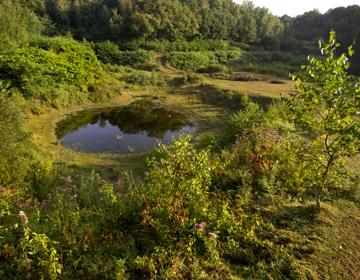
168	25
313	25
115	20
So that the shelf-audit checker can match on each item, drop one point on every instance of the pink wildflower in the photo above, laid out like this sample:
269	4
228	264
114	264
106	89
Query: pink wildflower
66	179
146	173
200	227
2	190
23	217
101	183
212	235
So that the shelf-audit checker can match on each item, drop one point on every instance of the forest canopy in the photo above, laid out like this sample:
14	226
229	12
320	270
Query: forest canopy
100	20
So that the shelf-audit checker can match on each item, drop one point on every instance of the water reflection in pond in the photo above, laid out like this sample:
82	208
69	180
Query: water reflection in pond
121	130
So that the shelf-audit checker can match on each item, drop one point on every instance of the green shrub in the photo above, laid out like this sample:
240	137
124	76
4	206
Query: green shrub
241	97
106	52
114	68
134	57
48	63
226	94
282	56
147	66
213	68
228	56
15	142
184	205
254	56
249	68
278	117
164	46
185	61
245	120
139	78
143	78
104	94
276	69
191	78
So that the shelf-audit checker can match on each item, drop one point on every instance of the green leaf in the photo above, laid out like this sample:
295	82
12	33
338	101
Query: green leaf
351	52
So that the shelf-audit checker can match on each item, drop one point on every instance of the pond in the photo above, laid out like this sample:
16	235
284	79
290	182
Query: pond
135	128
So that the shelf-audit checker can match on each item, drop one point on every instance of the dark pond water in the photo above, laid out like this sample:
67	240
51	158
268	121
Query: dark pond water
122	130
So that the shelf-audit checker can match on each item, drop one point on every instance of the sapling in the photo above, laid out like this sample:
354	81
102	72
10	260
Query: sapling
326	106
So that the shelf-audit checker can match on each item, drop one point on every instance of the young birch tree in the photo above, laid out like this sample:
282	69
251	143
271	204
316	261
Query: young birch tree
327	107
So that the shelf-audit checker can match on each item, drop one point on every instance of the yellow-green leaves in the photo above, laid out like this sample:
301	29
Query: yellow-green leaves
326	109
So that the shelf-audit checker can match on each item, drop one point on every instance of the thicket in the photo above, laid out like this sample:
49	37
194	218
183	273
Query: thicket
185	61
39	70
108	52
16	146
213	68
263	62
165	46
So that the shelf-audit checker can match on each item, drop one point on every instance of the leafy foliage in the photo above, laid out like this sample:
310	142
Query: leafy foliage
47	62
190	60
213	68
164	46
15	142
17	25
326	107
303	32
108	52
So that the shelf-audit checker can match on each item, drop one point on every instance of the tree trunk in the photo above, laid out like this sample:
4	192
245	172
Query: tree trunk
318	200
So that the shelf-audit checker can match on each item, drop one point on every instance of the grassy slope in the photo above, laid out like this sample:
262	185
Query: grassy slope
326	244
